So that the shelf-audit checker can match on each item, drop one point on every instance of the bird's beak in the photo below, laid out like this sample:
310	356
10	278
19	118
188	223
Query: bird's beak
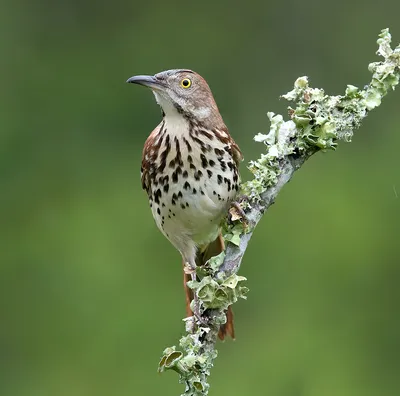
148	81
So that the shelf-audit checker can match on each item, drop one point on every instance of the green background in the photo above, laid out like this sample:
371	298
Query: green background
90	291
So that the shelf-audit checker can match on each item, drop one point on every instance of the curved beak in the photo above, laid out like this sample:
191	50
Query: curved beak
147	81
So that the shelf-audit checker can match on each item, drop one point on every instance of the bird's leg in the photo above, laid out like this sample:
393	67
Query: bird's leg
196	308
191	270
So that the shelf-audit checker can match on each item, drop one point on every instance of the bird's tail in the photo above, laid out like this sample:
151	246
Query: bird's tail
211	250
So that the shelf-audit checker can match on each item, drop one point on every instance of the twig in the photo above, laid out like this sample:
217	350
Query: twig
317	123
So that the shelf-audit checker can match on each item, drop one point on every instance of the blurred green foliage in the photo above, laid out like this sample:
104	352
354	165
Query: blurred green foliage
91	291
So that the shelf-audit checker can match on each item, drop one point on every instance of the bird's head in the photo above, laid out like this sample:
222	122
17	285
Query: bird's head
182	92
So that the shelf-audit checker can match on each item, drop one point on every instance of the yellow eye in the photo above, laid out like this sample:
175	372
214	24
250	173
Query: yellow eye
186	83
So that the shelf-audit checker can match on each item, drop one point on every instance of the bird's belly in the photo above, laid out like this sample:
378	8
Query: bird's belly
193	209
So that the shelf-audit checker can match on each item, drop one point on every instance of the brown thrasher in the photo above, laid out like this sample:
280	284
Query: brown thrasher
189	170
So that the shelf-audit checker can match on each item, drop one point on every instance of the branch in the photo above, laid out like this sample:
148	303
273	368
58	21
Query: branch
317	123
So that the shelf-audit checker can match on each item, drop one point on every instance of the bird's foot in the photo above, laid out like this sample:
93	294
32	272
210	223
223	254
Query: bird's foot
196	303
237	213
196	308
190	270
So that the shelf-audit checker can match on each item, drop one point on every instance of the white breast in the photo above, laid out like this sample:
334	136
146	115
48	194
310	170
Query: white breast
200	187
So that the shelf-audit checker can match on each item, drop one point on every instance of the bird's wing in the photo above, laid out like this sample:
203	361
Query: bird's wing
233	149
149	157
236	153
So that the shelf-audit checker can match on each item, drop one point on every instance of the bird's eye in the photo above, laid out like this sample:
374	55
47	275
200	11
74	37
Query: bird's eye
186	83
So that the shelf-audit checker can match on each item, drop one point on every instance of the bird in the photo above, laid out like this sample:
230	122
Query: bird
190	171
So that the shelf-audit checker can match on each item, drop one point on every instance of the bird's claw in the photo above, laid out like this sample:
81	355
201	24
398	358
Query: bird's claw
237	213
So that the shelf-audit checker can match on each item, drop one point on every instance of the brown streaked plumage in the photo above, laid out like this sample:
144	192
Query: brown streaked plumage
189	170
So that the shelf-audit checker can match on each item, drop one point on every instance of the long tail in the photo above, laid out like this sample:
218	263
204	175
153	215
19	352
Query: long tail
213	249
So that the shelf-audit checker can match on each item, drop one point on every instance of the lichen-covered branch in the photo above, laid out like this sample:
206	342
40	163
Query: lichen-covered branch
317	122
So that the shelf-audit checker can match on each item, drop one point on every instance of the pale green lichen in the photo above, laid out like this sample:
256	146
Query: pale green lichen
232	234
193	366
219	294
215	262
195	359
317	122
